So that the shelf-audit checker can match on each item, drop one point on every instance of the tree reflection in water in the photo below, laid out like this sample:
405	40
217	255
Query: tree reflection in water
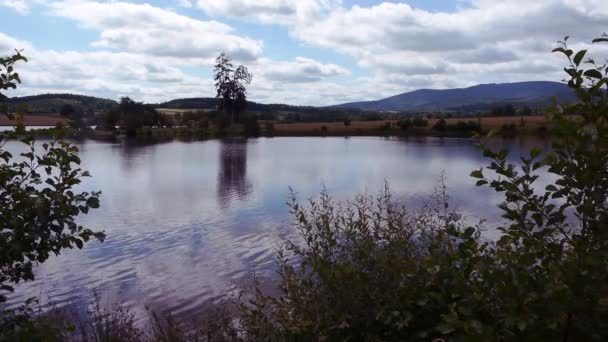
232	182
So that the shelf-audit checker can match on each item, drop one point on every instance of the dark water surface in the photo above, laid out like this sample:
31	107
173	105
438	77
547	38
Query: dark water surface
185	222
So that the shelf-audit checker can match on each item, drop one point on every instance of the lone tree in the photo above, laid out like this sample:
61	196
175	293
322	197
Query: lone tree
230	86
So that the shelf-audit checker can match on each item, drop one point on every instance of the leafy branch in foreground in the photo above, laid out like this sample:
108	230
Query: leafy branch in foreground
38	202
9	79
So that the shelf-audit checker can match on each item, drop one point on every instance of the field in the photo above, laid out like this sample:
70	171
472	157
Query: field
34	120
530	123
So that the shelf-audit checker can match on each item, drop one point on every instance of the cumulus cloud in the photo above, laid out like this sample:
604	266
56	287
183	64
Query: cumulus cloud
299	71
20	6
397	26
142	28
286	12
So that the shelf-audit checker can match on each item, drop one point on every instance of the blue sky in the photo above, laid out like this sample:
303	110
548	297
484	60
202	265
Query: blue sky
313	52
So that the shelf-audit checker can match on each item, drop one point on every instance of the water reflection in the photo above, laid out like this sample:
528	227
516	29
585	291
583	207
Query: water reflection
232	175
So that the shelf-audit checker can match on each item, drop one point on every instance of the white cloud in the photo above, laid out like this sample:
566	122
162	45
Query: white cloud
299	71
20	6
142	28
286	12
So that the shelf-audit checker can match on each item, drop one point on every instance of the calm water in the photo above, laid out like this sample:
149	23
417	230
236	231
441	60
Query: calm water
185	222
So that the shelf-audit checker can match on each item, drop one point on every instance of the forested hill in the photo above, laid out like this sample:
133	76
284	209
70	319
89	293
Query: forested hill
479	97
52	103
212	103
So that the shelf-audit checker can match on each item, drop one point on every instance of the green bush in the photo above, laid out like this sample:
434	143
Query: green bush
440	126
420	122
405	124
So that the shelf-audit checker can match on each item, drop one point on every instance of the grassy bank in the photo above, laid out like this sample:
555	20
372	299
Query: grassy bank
452	127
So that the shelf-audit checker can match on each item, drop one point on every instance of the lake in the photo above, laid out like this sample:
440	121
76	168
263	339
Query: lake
187	221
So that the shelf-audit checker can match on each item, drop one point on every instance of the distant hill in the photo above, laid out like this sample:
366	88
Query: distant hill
212	103
52	103
479	97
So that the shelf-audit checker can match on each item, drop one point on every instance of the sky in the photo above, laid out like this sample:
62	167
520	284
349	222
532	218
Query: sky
301	52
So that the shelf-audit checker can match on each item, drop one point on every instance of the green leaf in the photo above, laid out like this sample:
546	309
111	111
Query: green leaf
477	173
535	152
445	328
593	74
579	57
93	202
600	40
559	49
100	236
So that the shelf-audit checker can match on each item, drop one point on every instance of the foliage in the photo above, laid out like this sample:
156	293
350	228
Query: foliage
367	270
504	110
404	124
440	126
38	208
230	85
109	119
74	114
38	205
25	324
419	122
9	79
135	115
53	103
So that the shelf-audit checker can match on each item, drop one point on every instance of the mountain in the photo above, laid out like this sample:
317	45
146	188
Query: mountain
479	97
52	103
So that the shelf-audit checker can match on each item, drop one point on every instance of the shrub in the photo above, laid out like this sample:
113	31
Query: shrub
440	126
508	129
420	122
405	124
